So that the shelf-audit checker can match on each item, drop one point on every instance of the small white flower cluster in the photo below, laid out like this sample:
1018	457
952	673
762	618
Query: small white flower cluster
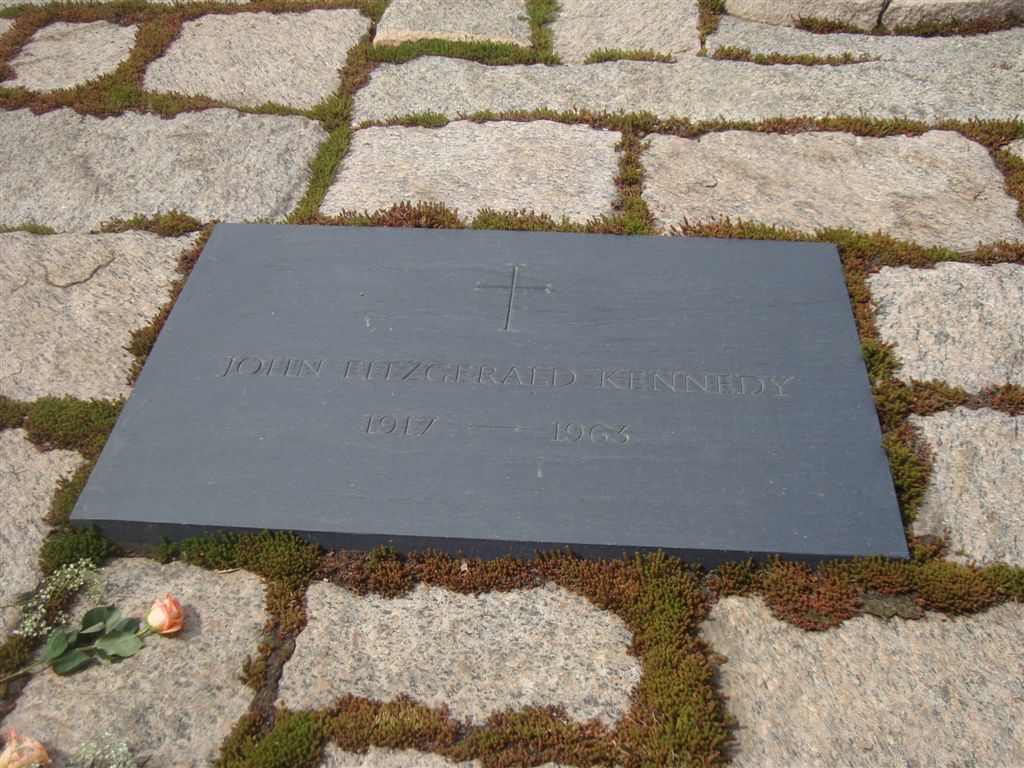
105	752
62	583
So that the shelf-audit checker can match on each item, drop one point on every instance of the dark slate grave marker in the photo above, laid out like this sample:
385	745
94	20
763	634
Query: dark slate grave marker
496	392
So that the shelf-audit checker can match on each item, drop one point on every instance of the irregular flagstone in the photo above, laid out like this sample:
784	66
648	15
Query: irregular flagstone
61	55
862	14
958	323
662	26
5	24
932	692
696	88
502	21
74	172
935	189
254	58
479	654
175	701
907	13
1003	50
28	479
976	492
69	305
1016	148
561	170
382	757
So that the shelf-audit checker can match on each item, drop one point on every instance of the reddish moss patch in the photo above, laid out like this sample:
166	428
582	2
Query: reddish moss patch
735	53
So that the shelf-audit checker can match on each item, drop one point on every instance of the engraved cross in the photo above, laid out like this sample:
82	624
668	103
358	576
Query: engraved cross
512	287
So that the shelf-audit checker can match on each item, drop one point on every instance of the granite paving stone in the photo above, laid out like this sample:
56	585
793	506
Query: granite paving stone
976	492
1001	50
939	691
561	170
935	189
958	323
178	698
1016	148
62	55
502	21
69	305
696	88
477	654
74	172
28	478
255	58
8	3
907	13
5	24
862	14
662	26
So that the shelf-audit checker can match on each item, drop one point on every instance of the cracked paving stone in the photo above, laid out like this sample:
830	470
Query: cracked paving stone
62	55
935	189
28	478
862	14
560	170
476	654
661	26
697	88
178	698
74	172
255	58
908	13
958	323
999	50
70	303
500	21
976	490
938	691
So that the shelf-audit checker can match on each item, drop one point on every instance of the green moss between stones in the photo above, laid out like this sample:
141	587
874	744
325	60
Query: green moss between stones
734	53
67	493
1013	172
12	413
823	26
957	27
708	14
541	14
174	223
617	54
71	424
31	227
69	546
491	53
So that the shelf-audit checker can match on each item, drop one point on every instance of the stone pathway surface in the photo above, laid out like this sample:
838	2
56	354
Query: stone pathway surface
262	112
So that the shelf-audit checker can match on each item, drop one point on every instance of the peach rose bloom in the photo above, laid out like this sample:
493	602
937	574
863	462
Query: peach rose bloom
21	753
165	616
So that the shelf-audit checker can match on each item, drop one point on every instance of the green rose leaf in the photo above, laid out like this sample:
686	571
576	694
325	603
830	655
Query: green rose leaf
123	644
69	661
56	644
96	619
126	625
104	656
113	620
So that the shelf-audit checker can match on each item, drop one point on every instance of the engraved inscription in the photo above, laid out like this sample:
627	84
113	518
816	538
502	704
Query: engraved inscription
574	432
406	426
512	287
273	366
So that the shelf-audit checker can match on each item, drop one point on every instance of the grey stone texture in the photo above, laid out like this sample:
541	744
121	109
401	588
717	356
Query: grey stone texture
1016	148
7	3
254	58
477	654
382	757
696	88
862	14
976	492
5	24
28	479
62	55
958	323
1001	50
935	189
74	172
177	699
938	691
69	304
662	26
907	13
561	170
503	21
